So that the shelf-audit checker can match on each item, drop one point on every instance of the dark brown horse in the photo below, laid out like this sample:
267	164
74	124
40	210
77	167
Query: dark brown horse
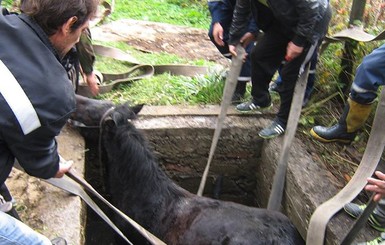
139	188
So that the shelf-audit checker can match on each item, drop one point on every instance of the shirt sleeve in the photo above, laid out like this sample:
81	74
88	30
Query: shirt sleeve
37	151
86	52
216	8
240	21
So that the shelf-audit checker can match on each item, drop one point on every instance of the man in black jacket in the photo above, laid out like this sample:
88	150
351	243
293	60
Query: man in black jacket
292	30
36	95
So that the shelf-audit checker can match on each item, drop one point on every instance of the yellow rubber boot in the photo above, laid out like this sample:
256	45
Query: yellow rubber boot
352	119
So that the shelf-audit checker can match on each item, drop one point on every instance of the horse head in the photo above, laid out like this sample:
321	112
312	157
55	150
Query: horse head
90	114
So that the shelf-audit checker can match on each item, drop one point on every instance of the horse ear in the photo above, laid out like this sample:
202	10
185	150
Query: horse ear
137	108
109	123
118	118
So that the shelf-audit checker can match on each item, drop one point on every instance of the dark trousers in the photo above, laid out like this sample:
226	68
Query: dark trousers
266	58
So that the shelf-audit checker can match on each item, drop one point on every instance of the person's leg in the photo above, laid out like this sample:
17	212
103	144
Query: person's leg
369	76
289	74
265	57
351	120
244	76
14	232
311	78
275	85
4	192
245	73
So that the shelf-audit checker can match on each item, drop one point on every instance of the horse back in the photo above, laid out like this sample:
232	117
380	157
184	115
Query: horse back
207	221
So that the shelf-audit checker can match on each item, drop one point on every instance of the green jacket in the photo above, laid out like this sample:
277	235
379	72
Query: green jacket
86	52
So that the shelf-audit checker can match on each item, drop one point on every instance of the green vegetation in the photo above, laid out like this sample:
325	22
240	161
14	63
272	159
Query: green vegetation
7	3
163	89
178	12
166	89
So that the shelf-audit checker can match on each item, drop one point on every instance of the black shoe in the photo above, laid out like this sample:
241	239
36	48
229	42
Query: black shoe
251	107
336	133
58	241
356	210
237	98
274	130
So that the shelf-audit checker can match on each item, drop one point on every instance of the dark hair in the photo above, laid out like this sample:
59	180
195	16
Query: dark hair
52	14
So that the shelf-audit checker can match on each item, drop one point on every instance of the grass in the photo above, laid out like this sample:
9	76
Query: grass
166	89
162	89
165	11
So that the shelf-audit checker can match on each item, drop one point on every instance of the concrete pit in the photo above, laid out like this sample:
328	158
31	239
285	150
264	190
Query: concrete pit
242	169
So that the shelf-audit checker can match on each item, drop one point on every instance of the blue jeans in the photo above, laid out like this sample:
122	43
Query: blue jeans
15	232
369	76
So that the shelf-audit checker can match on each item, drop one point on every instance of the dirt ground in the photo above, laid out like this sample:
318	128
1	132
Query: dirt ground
191	44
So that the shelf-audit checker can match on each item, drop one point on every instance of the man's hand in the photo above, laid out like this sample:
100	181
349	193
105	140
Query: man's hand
92	82
292	51
218	34
64	167
247	38
233	51
377	186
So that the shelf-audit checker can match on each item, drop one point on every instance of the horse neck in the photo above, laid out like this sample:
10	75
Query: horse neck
135	165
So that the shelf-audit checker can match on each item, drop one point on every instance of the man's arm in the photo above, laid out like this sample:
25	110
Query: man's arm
241	17
309	15
216	8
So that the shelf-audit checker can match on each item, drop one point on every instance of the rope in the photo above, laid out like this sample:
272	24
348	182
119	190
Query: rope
277	189
231	82
150	237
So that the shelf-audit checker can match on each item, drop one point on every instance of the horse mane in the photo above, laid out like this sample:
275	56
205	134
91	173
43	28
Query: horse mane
134	174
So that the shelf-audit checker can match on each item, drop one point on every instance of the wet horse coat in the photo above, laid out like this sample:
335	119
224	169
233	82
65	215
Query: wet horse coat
139	188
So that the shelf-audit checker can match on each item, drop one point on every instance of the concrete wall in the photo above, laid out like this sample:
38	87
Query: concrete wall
182	142
182	145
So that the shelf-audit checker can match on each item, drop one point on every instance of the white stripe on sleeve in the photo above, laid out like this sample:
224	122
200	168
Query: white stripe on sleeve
18	101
